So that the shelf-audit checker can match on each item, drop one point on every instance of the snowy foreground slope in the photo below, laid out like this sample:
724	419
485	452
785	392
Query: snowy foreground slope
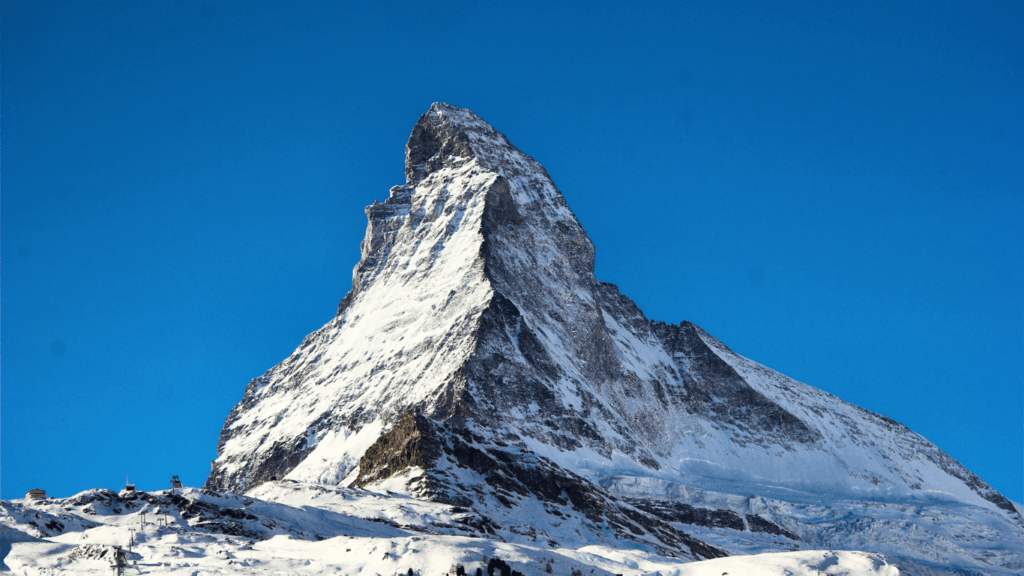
198	532
481	392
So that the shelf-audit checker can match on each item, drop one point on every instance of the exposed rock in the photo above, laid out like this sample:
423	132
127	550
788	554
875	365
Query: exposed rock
410	443
416	442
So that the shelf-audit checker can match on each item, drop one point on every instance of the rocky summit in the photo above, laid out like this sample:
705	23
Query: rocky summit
478	364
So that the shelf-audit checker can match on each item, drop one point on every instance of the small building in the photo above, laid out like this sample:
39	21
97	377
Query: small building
35	494
129	492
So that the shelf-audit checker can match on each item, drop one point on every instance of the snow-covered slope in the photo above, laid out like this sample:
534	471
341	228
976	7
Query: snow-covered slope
349	531
475	315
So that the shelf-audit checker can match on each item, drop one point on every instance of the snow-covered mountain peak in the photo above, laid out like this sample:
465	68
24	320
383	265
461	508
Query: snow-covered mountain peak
479	393
445	262
442	138
447	136
475	318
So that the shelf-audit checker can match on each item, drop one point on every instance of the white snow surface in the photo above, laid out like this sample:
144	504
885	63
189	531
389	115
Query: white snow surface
332	538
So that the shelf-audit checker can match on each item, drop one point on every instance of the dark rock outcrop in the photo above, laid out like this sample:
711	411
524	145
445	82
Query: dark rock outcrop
512	476
412	442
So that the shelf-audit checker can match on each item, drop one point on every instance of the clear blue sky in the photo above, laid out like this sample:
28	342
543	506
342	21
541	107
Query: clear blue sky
836	192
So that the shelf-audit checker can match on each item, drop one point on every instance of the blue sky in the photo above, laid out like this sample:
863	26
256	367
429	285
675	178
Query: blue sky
836	192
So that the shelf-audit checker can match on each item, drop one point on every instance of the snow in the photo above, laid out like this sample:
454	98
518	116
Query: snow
804	563
328	449
353	547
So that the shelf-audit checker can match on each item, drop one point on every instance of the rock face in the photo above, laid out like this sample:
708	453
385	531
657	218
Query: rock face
475	327
452	465
411	443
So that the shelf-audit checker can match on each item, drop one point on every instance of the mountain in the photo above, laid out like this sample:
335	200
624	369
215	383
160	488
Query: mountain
478	363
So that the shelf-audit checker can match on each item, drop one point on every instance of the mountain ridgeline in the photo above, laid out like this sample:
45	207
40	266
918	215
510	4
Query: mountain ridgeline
478	362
